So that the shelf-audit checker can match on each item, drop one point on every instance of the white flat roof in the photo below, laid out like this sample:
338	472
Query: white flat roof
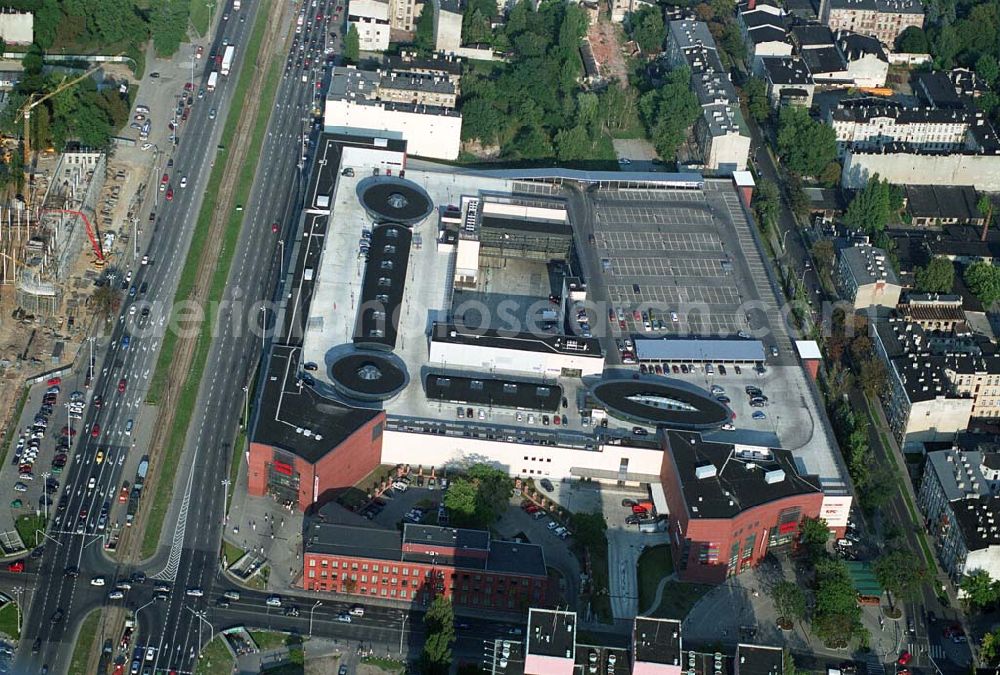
808	349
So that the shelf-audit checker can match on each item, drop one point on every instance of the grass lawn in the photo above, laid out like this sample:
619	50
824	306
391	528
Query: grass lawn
215	658
8	621
189	394
85	643
27	526
232	553
679	598
259	580
293	665
200	15
388	665
269	639
654	564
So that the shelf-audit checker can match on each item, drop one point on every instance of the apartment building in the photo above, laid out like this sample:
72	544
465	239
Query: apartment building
383	104
866	278
921	405
788	81
402	14
764	30
867	62
976	376
446	66
934	314
882	19
868	124
721	132
468	566
958	497
371	19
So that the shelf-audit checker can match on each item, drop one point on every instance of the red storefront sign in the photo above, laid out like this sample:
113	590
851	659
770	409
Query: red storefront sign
281	467
785	528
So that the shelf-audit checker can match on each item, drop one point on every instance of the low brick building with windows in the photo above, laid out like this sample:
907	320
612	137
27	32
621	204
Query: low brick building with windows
731	504
468	566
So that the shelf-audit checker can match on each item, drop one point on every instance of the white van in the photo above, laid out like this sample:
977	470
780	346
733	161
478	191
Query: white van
357	610
274	601
400	485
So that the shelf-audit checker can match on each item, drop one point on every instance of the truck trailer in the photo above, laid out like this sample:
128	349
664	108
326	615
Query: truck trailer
213	79
227	60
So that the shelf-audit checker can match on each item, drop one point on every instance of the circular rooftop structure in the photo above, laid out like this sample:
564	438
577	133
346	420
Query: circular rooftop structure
368	375
661	402
394	199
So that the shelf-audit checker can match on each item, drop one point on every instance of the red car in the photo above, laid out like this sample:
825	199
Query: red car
66	431
17	566
188	86
165	179
170	194
274	228
53	381
531	509
636	508
121	385
904	658
96	431
123	495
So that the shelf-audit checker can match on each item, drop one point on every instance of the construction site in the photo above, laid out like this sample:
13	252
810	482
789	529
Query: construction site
67	232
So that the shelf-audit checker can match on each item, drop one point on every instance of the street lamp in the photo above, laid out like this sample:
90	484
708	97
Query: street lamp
201	619
17	590
45	496
318	603
225	499
263	327
402	630
281	268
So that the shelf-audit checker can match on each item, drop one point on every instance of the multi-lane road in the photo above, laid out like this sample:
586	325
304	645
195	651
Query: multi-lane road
191	560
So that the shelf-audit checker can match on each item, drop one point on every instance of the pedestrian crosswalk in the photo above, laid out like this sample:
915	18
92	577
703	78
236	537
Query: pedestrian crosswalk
936	652
875	666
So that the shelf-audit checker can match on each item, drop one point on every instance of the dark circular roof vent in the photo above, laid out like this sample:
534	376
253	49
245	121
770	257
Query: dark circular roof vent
369	372
394	199
365	375
397	200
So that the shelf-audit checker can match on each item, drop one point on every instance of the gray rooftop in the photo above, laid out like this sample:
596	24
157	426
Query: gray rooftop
957	466
738	350
868	264
786	70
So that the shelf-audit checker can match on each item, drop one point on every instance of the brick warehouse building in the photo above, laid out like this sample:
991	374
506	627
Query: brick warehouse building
468	566
314	447
730	504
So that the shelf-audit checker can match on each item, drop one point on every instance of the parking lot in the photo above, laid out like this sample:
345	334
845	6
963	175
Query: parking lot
686	260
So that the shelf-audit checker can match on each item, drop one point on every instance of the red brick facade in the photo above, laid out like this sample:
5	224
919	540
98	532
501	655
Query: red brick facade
419	583
708	550
289	476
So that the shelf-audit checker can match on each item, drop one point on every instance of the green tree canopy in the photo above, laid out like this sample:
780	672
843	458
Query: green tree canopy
836	614
900	573
938	276
813	536
439	635
648	29
767	203
352	44
668	112
424	30
913	40
789	601
477	17
984	281
979	588
874	206
590	530
479	497
755	95
805	145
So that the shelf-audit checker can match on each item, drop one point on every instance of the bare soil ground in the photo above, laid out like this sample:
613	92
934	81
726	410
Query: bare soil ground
606	40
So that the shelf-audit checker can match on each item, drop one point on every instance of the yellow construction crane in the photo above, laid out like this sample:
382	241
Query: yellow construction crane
26	112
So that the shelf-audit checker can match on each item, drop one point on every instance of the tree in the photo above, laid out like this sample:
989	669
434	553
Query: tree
755	95
648	29
669	112
573	144
805	145
830	175
979	589
766	203
823	253
789	602
478	498
476	21
913	40
836	616
873	206
352	44
105	301
985	208
988	69
990	648
938	276
900	573
591	530
813	536
984	282
423	38
439	632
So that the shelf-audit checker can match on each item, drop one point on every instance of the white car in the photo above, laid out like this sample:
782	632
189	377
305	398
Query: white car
97	581
184	181
194	592
20	487
115	595
92	483
273	601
